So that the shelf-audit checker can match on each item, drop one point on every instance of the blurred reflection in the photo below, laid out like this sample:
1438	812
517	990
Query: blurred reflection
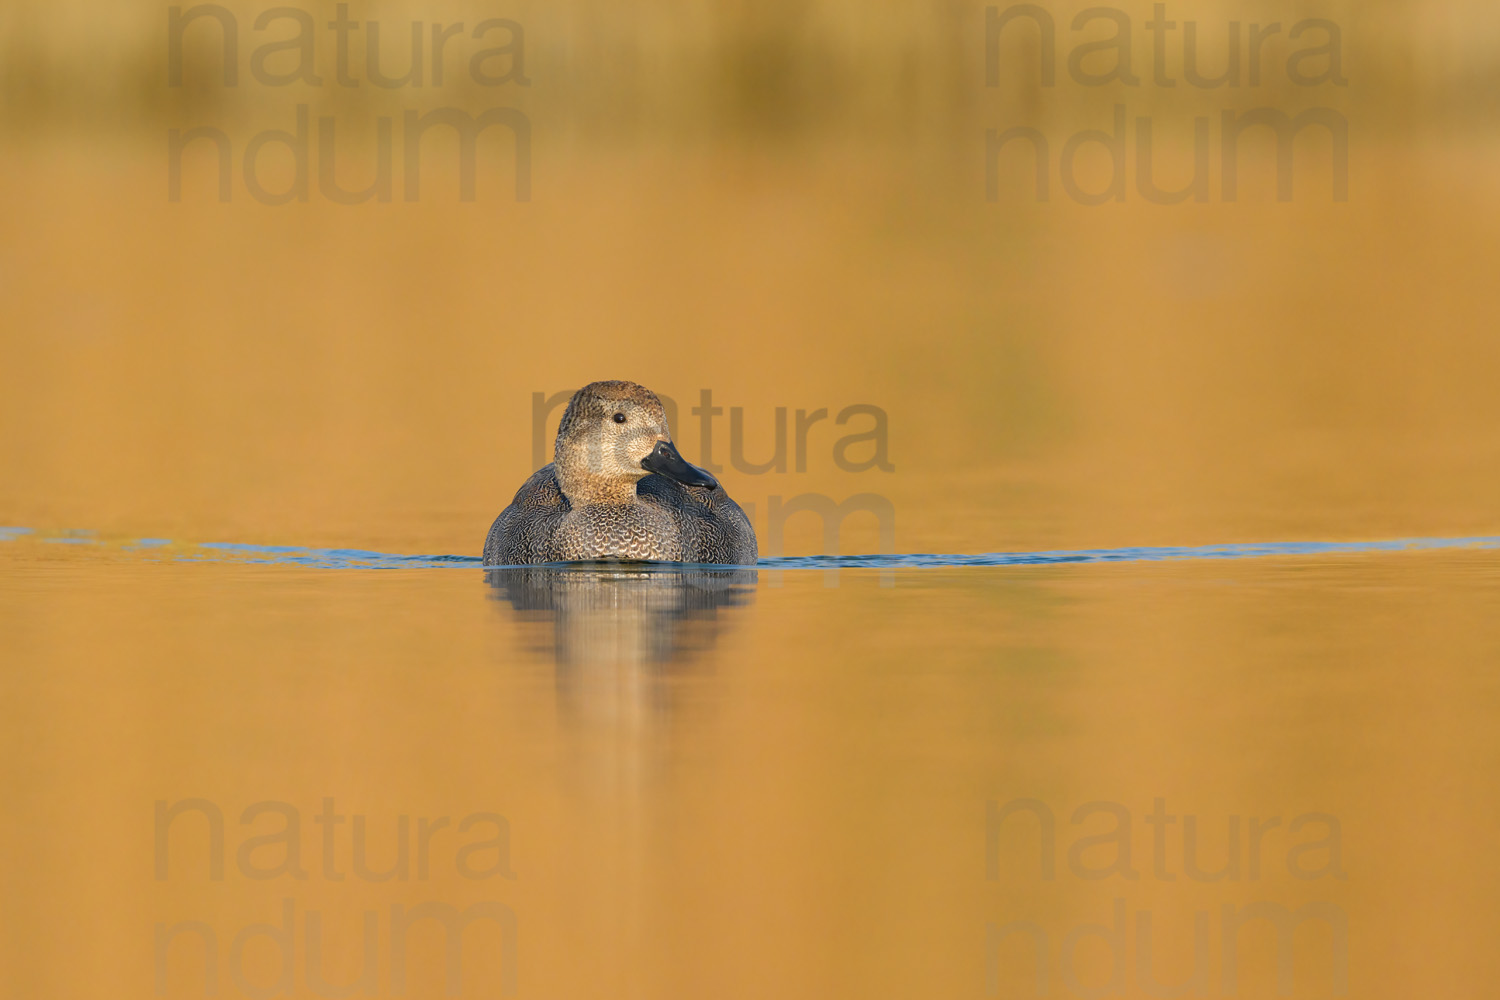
625	614
623	638
620	635
615	627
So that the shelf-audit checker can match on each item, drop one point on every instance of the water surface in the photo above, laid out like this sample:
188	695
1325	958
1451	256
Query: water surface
717	786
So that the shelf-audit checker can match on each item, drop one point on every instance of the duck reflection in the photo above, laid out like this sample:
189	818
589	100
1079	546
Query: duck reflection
628	642
621	614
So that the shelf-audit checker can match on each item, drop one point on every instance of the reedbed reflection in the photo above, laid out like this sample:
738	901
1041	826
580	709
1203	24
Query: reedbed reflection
625	613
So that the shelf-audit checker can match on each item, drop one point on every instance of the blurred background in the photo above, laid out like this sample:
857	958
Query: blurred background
785	203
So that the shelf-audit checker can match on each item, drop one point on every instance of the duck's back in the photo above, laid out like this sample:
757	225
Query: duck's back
708	526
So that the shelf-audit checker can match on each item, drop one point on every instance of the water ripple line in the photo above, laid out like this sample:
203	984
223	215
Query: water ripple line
363	559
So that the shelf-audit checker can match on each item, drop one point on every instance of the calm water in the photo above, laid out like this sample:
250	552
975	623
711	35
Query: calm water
754	782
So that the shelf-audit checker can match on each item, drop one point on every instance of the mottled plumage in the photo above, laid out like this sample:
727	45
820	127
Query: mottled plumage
617	489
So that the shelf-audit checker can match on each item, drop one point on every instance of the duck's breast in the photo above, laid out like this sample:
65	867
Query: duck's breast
711	525
634	530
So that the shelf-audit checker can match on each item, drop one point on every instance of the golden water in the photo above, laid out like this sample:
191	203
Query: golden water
781	784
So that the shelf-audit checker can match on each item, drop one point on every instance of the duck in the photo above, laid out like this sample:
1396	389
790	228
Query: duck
617	489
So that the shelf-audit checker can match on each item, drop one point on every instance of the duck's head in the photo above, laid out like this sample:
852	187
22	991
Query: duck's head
612	435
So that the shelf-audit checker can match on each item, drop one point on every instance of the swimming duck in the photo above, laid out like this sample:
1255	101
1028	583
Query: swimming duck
617	488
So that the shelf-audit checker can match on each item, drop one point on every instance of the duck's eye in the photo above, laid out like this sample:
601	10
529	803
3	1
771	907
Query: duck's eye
619	418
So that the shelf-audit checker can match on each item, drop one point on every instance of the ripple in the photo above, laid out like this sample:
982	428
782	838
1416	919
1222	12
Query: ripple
295	555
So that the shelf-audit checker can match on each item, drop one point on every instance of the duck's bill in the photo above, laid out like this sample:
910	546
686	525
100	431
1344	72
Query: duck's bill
665	460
